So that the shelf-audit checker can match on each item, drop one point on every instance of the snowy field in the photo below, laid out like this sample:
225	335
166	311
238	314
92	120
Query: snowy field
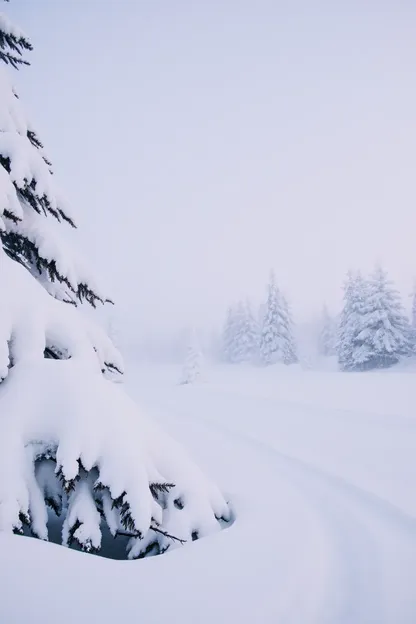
320	468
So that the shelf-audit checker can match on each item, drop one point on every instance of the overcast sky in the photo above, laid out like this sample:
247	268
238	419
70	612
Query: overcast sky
203	142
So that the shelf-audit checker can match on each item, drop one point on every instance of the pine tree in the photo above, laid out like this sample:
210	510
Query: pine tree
240	334
350	324
385	334
252	333
244	343
327	337
288	349
270	333
228	335
193	362
414	307
413	321
70	440
31	195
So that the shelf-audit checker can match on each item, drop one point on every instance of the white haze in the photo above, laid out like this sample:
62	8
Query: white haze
202	143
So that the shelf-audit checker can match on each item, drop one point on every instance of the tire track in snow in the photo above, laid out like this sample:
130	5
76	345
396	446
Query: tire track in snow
357	524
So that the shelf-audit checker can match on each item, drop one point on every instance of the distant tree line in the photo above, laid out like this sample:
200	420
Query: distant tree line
371	332
264	337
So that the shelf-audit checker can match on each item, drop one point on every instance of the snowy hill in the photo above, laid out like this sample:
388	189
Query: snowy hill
320	470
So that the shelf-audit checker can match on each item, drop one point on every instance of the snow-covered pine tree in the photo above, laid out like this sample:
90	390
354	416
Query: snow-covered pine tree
252	333
288	349
241	334
193	361
244	339
270	332
413	320
327	334
414	307
385	334
350	323
31	193
228	335
70	440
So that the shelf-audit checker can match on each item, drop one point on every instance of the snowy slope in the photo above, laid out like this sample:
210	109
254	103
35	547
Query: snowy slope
320	469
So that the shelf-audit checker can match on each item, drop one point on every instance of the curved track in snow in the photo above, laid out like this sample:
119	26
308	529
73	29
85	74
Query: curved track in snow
325	506
350	554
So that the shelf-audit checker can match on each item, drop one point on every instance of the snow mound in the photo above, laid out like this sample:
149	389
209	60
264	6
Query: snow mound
90	454
51	324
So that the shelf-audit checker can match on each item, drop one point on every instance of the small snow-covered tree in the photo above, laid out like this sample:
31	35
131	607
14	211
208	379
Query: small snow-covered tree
350	323
193	362
228	335
245	335
288	349
71	441
251	332
413	321
414	307
385	334
327	334
270	331
241	334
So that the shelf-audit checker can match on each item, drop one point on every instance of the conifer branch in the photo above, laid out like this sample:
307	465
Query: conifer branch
156	530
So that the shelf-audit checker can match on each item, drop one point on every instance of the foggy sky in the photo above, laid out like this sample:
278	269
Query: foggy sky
203	142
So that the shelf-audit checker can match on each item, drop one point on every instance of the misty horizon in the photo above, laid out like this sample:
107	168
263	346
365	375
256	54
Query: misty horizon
214	142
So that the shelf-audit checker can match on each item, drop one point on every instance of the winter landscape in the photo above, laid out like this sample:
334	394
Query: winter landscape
208	349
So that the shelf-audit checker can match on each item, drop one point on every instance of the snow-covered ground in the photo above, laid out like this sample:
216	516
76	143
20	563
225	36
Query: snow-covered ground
320	468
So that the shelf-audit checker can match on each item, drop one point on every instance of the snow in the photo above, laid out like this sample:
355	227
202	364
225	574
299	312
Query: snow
38	220
193	361
44	233
320	470
10	28
103	428
50	323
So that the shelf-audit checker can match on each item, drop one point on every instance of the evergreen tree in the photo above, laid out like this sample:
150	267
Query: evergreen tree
385	334
193	362
245	334
327	334
288	349
241	334
31	195
228	335
374	331
413	321
70	439
239	346
252	333
270	333
414	308
350	323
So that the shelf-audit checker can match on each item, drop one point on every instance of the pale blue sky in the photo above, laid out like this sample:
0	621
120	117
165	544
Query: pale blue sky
202	142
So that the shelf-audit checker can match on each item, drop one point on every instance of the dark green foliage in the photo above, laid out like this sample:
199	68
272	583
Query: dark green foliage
178	502
18	246
12	48
68	486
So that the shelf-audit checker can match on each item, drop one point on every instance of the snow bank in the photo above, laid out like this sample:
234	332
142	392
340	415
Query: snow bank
50	324
109	460
102	445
